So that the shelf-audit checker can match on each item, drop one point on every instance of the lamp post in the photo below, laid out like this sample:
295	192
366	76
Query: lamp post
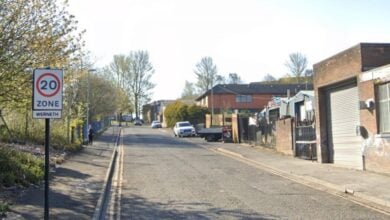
212	106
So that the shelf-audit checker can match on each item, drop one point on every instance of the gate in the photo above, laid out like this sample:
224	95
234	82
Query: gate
243	128
261	134
305	142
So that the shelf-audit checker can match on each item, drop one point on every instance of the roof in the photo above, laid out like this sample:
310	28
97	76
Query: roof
300	96
252	88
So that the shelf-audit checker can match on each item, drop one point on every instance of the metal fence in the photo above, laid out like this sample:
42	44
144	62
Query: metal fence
261	134
305	142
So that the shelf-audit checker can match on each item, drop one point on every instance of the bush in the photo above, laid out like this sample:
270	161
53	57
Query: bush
4	207
19	168
175	112
179	111
196	114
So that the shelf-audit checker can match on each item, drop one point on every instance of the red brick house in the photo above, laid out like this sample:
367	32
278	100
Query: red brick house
251	97
352	90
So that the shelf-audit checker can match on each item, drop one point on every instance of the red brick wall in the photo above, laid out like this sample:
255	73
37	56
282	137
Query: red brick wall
342	66
349	63
284	136
367	117
228	101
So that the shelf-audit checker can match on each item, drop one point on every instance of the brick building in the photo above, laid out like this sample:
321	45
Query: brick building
155	111
352	108
251	97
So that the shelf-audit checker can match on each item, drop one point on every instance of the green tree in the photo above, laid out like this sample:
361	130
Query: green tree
174	113
33	34
103	96
189	90
196	114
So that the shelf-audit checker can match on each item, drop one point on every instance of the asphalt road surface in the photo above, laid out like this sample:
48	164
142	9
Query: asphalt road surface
177	178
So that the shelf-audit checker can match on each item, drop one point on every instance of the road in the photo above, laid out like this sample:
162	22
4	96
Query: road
180	178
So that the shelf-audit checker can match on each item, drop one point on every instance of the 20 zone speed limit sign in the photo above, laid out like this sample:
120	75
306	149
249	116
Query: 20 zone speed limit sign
47	93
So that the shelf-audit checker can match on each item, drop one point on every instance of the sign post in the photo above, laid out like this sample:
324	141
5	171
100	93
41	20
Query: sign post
47	104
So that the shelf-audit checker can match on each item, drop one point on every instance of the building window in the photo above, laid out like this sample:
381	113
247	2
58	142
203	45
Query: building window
243	98
384	107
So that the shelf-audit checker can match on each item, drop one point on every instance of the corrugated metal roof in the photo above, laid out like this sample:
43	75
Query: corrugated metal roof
247	89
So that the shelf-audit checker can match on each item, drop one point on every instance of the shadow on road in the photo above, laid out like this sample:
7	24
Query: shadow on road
137	207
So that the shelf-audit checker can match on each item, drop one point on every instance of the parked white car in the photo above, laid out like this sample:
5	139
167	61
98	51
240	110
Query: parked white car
156	124
184	129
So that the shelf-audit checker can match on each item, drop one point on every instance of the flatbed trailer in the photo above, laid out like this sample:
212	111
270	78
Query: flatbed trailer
215	133
211	134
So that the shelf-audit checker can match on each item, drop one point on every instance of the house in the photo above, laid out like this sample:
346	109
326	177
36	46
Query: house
155	111
352	90
245	97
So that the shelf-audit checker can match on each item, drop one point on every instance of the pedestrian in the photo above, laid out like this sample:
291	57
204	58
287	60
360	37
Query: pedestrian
90	136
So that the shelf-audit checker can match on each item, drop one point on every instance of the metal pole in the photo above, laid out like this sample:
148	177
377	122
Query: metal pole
212	106
87	104
47	164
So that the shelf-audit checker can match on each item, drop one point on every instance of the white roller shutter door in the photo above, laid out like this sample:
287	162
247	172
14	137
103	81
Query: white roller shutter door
345	141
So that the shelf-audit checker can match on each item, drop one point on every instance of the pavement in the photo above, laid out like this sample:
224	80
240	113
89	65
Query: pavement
75	185
363	187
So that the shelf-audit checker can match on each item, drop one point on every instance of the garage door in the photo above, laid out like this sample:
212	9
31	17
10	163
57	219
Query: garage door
345	143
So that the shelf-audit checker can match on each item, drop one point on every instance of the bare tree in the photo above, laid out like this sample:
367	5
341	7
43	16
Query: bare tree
138	79
296	64
234	78
206	72
269	78
118	68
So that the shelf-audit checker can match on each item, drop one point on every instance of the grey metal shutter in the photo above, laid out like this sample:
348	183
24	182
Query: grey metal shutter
344	118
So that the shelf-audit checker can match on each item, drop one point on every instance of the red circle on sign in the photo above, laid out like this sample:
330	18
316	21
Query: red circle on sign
48	94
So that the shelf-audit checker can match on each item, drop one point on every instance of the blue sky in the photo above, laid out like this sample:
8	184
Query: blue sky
249	37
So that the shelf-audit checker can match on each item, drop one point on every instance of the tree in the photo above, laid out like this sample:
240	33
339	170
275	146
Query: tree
174	112
103	99
296	64
189	90
269	78
119	67
196	114
133	74
234	78
178	111
138	79
34	34
124	105
206	73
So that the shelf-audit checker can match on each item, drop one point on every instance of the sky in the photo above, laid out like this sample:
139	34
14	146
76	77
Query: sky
249	37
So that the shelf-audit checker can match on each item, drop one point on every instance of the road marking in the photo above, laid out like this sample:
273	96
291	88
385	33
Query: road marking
117	181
